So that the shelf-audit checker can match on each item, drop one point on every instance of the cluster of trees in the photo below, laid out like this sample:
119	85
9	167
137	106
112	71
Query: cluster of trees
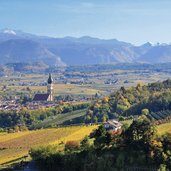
132	101
24	118
137	146
121	66
40	67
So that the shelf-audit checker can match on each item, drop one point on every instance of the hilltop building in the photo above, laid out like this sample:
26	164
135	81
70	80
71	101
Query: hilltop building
112	125
49	95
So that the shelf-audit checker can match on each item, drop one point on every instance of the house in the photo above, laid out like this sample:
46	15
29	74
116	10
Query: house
41	97
113	125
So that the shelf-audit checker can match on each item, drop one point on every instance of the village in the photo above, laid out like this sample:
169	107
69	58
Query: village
43	100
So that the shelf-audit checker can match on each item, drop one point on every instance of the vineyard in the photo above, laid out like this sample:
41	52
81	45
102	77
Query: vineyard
59	119
161	115
15	145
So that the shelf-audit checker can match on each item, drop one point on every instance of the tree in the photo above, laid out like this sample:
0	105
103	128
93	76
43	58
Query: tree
16	128
140	130
123	90
71	146
104	119
95	119
85	143
99	136
102	137
108	137
105	99
144	111
166	142
28	89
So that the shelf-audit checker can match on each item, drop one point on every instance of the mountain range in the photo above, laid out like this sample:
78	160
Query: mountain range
17	46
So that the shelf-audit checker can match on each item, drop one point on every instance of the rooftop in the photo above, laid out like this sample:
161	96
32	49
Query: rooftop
41	97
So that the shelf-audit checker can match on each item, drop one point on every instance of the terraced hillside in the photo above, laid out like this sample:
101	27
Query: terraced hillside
15	145
160	115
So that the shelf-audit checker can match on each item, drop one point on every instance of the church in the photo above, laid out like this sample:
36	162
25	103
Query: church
48	97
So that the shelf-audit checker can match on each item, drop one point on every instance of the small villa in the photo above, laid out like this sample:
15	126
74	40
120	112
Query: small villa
113	125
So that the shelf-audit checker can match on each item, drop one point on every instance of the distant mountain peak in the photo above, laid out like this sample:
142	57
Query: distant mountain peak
148	44
9	31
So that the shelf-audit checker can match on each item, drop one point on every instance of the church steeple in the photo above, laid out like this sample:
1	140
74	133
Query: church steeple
50	87
50	80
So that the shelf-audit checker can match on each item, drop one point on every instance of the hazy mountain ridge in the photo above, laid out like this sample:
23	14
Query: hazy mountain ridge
23	50
17	46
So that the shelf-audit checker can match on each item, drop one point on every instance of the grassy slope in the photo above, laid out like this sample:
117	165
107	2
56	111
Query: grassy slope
14	146
164	128
60	118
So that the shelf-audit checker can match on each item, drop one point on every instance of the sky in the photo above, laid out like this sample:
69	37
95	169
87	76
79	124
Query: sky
134	21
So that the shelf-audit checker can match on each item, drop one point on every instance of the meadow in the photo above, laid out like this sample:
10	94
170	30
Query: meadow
15	145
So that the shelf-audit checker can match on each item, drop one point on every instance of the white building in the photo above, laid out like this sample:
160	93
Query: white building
113	125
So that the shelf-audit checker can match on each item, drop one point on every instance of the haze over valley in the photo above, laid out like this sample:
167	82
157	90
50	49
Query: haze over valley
20	47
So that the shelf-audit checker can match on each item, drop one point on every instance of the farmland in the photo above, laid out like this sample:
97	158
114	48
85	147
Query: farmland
15	145
79	83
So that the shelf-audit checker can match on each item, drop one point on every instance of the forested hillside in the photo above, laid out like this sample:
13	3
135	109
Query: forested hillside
142	99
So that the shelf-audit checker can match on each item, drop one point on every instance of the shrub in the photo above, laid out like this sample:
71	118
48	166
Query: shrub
72	146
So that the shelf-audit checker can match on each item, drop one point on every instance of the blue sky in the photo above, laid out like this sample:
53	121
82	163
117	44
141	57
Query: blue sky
135	21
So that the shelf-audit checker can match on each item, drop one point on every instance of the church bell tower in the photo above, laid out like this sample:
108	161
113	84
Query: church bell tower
50	88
